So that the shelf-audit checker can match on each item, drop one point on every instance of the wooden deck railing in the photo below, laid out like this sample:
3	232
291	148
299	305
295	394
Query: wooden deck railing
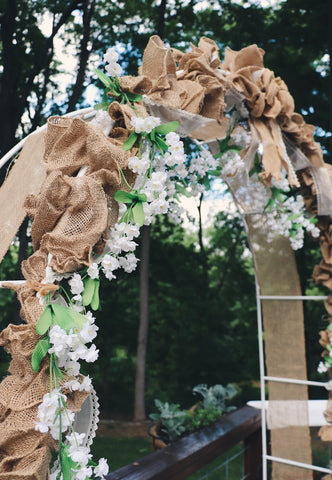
189	454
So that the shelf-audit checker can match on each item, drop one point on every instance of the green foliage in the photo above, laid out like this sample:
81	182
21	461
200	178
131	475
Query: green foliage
39	353
174	422
215	396
203	417
172	419
90	294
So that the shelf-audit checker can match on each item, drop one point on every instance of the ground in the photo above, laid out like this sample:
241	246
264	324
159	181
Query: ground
121	429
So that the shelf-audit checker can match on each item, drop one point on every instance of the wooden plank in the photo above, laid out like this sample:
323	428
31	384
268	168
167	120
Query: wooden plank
189	454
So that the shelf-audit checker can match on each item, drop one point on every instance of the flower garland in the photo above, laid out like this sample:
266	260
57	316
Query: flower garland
163	172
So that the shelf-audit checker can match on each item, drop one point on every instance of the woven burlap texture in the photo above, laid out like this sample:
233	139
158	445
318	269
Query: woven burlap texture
191	81
71	217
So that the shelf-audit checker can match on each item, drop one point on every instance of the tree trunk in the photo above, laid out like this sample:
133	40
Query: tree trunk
88	11
10	120
139	413
139	409
200	240
22	255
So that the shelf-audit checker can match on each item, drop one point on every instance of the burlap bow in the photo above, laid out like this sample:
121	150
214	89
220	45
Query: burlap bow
271	109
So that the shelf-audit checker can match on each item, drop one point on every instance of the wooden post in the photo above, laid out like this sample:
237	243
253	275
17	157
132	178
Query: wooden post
252	458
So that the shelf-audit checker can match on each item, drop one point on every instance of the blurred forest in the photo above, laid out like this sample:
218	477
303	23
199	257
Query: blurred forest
202	296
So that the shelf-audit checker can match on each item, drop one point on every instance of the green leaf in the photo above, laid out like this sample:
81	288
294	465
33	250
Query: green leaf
62	317
141	197
66	464
223	145
129	143
294	217
101	106
161	144
167	128
95	304
124	197
269	205
78	318
39	353
138	214
103	78
44	321
89	288
134	97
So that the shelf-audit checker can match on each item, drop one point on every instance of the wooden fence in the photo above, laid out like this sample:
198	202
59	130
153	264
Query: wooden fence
189	454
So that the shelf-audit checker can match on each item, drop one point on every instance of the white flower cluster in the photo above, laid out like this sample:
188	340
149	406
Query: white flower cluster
52	416
323	367
71	347
281	222
144	125
288	220
112	67
81	456
232	164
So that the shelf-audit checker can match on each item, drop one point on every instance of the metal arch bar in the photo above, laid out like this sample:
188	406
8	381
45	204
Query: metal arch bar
293	297
298	464
262	376
297	381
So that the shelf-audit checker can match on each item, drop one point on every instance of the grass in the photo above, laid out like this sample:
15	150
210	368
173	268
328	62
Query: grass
120	451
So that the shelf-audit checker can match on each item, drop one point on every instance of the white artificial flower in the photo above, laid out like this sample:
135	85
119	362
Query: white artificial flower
91	354
150	123
322	368
172	138
102	468
72	385
132	230
76	284
181	171
103	121
128	263
75	438
110	263
86	384
72	367
160	205
83	473
113	69
138	124
111	55
138	165
88	332
41	427
54	475
90	317
93	271
79	454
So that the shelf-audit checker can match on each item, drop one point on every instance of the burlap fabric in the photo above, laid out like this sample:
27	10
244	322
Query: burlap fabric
71	217
26	176
284	351
188	81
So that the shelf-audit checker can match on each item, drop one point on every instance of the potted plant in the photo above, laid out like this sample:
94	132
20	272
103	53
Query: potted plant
172	423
